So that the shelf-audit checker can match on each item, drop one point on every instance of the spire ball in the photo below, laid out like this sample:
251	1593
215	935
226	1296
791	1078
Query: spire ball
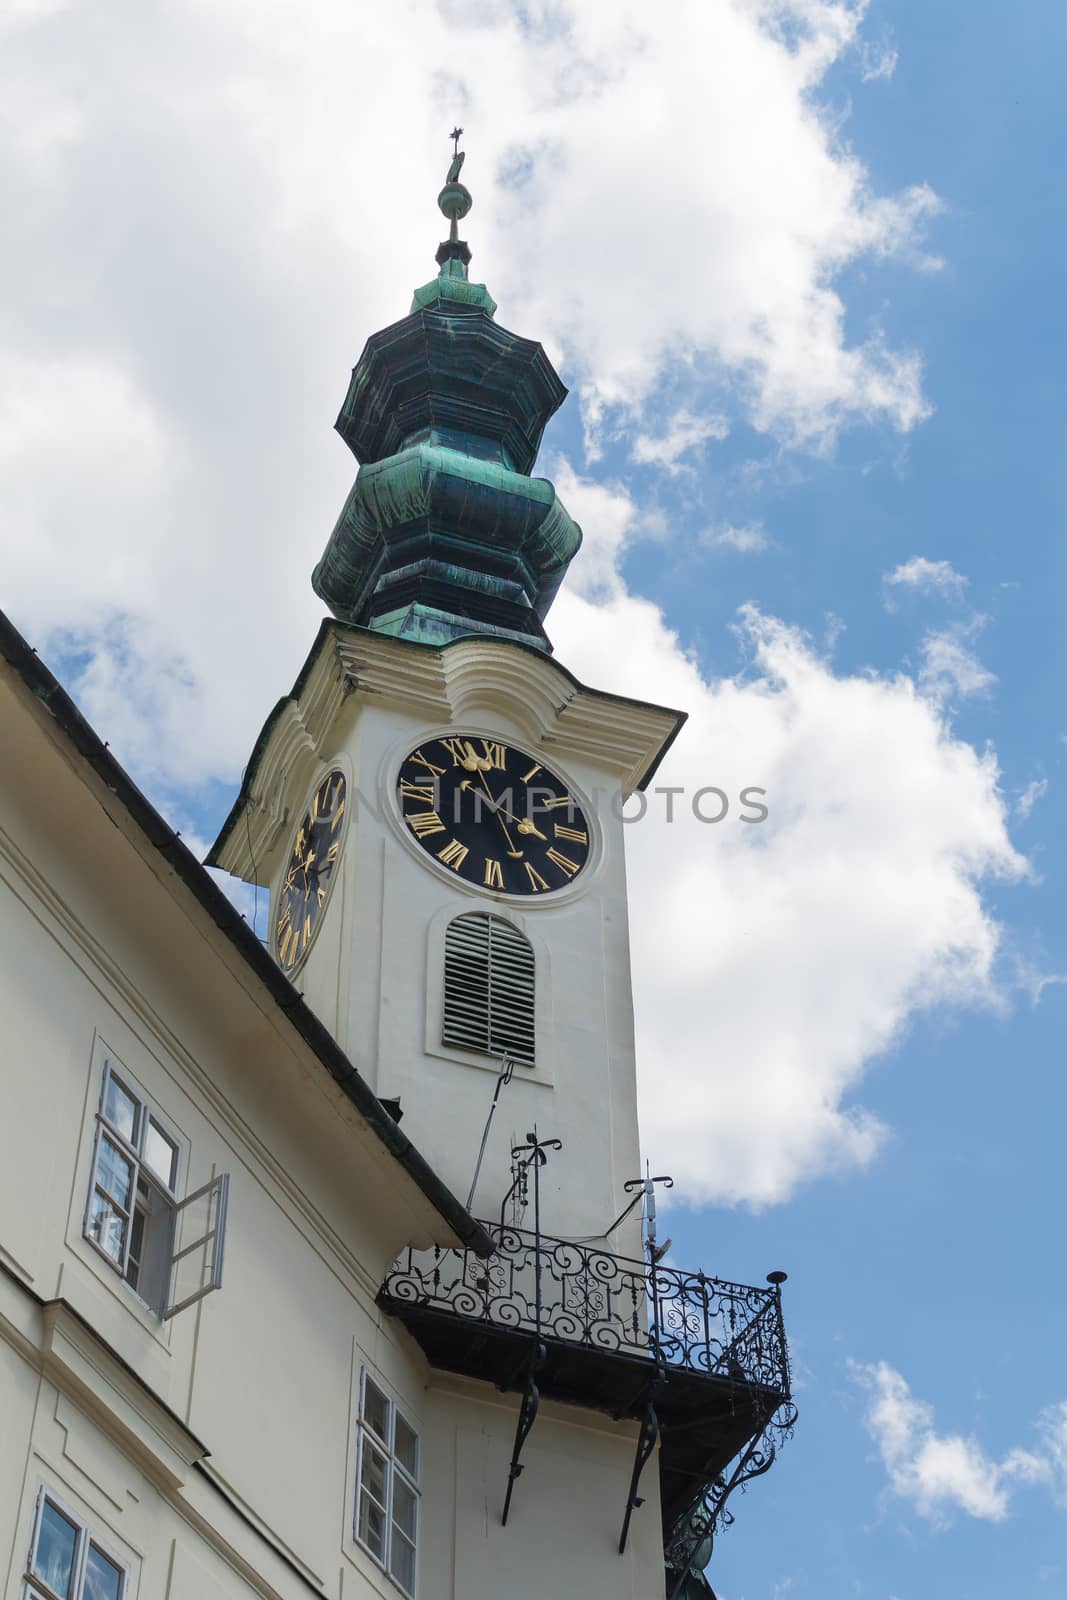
455	201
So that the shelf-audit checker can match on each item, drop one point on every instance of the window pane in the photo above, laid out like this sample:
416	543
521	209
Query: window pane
114	1173
120	1109
103	1580
371	1522
54	1561
404	1508
402	1562
407	1447
160	1153
376	1410
374	1471
133	1263
107	1227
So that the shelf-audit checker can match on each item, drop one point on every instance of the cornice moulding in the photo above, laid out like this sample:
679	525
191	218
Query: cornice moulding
462	682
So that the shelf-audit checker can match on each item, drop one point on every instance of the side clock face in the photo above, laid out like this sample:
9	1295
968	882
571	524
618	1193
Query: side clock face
494	815
308	875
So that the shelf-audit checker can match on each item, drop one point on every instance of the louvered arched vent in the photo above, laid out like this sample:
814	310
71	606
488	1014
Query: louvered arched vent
489	987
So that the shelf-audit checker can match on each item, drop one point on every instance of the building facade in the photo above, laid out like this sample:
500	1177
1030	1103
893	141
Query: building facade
254	1339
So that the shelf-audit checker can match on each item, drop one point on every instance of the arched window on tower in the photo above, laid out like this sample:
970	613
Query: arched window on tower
489	987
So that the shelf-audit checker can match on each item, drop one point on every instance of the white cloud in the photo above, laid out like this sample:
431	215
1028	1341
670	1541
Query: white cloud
683	432
1035	790
774	961
950	667
879	61
926	577
748	539
940	1473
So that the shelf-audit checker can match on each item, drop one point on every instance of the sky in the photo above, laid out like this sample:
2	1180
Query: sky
800	263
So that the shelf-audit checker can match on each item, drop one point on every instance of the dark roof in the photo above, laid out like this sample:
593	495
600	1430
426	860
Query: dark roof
54	698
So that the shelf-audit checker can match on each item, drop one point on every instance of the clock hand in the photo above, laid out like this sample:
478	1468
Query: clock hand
471	761
498	809
522	824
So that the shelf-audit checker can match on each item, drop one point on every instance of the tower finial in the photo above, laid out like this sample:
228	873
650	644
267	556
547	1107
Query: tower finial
455	201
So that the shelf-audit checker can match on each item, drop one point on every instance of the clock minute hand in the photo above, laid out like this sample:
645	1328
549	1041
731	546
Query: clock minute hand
498	809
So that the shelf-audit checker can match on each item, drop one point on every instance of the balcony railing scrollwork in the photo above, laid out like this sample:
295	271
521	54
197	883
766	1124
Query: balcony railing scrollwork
612	1303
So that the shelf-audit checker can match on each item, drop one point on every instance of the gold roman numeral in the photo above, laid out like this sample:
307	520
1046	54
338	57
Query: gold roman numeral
424	823
420	760
537	883
554	805
459	750
417	791
570	833
331	854
454	854
494	878
307	931
564	863
338	814
495	754
528	775
288	940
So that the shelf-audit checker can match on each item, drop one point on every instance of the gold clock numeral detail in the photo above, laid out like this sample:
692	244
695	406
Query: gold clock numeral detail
307	932
537	883
331	854
528	775
564	863
554	805
424	823
420	760
494	877
495	754
338	814
423	792
288	938
460	750
454	854
577	834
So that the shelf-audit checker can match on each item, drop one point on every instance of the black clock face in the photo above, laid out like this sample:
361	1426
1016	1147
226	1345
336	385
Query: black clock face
310	869
495	816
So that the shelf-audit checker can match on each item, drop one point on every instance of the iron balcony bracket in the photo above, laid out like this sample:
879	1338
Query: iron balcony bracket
531	1399
646	1443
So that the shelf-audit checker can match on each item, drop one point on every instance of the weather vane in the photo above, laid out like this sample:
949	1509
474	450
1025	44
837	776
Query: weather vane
458	158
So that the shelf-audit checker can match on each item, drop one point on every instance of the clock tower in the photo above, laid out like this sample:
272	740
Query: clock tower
437	806
436	809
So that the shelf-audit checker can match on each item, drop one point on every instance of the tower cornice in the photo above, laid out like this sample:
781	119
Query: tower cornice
473	678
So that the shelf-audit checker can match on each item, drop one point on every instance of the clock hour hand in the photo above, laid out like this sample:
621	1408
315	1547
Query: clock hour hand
522	824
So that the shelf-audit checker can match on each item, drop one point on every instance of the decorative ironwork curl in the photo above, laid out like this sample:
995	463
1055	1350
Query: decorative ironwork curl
689	1545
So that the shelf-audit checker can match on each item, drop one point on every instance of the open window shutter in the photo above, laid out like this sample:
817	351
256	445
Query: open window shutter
196	1262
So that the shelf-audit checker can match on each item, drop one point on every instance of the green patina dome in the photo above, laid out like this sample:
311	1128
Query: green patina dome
445	532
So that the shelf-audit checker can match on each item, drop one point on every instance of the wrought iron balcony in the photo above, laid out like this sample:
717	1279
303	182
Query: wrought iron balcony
702	1363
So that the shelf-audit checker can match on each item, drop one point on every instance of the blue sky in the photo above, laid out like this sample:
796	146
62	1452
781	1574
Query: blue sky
830	256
